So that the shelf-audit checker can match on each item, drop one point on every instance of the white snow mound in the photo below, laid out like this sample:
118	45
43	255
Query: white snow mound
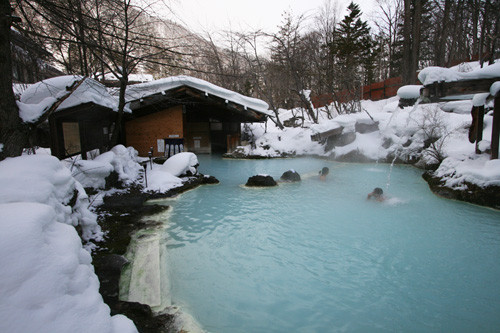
48	282
92	173
44	179
180	164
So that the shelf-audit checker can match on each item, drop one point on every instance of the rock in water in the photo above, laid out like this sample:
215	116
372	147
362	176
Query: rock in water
261	180
290	176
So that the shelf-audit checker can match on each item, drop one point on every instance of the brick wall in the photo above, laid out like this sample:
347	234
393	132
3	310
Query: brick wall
143	132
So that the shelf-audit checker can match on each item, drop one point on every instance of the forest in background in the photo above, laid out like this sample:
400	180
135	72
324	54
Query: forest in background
323	53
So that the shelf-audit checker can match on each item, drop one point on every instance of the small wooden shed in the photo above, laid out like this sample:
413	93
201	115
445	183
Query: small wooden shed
83	116
182	110
80	129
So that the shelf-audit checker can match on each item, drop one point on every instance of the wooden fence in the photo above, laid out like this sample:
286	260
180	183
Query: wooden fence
375	91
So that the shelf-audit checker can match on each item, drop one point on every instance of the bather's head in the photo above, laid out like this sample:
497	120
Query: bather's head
324	171
377	194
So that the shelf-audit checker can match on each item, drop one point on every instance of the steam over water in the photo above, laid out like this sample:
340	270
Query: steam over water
318	257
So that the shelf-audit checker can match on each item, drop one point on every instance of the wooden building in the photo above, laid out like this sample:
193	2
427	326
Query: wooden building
181	112
80	129
200	116
83	119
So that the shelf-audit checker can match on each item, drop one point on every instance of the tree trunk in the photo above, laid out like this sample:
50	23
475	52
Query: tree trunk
116	137
406	70
13	133
442	36
475	8
415	42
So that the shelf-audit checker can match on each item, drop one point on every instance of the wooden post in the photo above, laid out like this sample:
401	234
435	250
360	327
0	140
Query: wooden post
480	125
496	127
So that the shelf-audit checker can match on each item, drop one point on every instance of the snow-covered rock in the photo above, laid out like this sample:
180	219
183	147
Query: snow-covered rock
478	170
409	91
162	178
180	164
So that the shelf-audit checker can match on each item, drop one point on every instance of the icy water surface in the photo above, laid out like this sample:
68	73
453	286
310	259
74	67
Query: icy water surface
318	257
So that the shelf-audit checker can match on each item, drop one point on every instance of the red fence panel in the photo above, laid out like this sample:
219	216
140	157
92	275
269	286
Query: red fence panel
375	91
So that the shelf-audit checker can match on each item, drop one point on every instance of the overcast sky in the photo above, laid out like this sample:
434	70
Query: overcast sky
248	15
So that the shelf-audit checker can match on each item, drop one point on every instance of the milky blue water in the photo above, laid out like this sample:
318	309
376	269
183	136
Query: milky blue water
318	257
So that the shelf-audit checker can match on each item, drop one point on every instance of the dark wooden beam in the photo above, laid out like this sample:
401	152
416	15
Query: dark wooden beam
480	125
495	132
438	91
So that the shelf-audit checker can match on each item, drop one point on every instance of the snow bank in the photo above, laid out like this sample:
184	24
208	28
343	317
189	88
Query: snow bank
433	74
138	91
48	282
37	98
124	161
44	179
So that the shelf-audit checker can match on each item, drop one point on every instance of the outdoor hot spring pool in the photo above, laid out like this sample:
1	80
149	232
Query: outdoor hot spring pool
318	257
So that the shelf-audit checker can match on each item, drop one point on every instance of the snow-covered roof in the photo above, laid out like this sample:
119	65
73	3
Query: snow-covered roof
433	74
131	77
142	90
40	96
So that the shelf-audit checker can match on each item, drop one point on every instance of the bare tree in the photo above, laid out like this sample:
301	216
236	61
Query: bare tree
261	79
388	21
435	134
117	36
325	23
289	51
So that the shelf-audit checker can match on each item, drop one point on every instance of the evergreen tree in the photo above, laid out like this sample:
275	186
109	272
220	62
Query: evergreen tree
352	40
354	51
353	47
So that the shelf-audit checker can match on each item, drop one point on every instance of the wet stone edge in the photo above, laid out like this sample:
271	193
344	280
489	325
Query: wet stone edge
120	216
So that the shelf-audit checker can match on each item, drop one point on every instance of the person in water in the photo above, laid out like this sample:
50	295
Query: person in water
323	173
377	194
